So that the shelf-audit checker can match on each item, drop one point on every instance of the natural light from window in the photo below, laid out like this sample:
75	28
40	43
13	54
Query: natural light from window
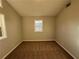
1	3
38	26
2	27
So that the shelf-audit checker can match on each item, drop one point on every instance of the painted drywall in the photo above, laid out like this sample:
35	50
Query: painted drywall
67	28
38	7
48	29
13	27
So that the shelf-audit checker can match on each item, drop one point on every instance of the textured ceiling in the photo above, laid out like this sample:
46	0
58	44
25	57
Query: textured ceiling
38	7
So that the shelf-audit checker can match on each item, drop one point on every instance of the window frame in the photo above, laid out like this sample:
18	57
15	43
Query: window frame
37	27
3	27
1	6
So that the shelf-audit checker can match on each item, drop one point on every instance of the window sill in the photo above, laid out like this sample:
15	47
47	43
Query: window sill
1	38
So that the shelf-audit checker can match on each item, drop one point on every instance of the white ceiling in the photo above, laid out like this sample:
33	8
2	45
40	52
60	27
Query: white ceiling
38	7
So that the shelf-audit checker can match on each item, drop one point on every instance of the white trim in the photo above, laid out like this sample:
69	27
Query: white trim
1	6
3	37
11	50
3	27
41	40
67	50
40	28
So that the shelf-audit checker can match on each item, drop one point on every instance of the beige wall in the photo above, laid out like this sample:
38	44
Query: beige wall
13	26
48	29
67	28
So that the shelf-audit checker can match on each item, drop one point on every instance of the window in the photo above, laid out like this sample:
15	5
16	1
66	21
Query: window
1	3
0	32
2	27
38	25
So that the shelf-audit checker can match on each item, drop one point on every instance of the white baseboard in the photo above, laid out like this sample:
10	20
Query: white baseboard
41	40
67	50
11	50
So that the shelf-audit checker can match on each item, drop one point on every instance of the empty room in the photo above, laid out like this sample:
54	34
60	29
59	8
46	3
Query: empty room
39	29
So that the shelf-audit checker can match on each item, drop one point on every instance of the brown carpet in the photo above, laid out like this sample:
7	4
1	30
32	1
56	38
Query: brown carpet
39	50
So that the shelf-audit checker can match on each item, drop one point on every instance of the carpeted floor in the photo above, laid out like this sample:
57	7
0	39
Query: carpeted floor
39	50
